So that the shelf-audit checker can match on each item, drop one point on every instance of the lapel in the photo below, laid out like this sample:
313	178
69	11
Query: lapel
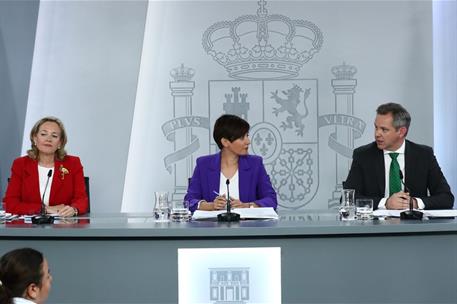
214	173
31	178
380	170
57	181
244	177
409	169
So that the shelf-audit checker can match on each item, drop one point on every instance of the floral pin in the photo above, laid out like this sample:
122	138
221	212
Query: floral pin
63	171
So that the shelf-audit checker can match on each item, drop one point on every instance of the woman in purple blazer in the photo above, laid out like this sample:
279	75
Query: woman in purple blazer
249	183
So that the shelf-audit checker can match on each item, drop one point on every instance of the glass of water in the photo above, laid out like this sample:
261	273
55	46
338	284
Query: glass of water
364	208
161	207
180	211
347	206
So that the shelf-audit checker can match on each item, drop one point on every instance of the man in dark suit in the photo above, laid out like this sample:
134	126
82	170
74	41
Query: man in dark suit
379	168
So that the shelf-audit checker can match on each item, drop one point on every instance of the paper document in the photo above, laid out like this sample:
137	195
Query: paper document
245	213
441	213
430	213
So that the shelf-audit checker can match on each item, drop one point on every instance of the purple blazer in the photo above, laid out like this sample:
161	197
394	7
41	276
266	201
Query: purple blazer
254	182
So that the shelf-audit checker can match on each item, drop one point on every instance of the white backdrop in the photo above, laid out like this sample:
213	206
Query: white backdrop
387	59
104	68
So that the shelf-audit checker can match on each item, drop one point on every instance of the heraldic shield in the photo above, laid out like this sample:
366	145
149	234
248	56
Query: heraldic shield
283	115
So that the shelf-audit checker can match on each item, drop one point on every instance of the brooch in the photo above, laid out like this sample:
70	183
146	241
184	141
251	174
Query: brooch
63	171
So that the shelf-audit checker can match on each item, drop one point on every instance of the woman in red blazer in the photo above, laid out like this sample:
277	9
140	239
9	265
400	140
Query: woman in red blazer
47	159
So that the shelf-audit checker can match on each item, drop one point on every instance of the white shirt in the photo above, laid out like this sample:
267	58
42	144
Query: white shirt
401	163
234	186
43	177
22	301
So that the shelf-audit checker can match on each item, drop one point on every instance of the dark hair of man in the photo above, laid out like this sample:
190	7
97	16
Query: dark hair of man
18	269
401	117
230	127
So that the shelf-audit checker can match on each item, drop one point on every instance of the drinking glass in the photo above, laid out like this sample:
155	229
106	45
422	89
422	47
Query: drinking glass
161	207
347	206
364	208
180	211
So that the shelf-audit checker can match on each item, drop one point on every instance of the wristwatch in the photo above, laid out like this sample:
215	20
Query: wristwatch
76	211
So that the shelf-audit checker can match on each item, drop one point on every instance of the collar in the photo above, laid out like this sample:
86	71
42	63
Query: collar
243	163
400	150
22	301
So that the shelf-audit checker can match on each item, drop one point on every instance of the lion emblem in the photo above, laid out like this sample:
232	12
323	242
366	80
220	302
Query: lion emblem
290	104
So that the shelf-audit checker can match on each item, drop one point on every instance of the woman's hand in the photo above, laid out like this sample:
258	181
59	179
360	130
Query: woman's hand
61	210
236	203
54	209
219	202
67	211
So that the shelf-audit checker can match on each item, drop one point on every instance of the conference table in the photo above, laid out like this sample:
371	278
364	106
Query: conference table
130	258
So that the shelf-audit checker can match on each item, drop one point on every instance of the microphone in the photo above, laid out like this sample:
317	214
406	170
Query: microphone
409	214
43	218
43	207
228	204
228	216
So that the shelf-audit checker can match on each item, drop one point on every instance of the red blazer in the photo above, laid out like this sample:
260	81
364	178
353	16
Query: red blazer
23	193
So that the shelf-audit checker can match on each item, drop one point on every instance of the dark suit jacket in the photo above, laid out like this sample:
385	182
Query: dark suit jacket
422	172
23	193
254	183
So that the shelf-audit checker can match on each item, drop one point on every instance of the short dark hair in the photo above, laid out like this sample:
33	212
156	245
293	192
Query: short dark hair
401	117
230	127
18	269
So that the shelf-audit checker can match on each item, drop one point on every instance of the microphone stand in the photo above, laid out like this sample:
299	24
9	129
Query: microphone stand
43	218
410	214
228	216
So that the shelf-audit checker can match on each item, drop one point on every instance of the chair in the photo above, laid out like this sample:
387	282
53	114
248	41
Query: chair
86	182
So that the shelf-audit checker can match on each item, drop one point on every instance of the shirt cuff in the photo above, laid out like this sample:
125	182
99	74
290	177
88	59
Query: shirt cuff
420	203
382	203
198	204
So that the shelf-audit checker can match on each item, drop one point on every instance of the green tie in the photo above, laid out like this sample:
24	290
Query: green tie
394	175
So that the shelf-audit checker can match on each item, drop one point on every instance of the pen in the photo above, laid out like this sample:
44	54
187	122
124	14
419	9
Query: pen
215	192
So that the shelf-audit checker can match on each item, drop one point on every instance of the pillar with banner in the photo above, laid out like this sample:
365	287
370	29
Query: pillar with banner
342	140
182	90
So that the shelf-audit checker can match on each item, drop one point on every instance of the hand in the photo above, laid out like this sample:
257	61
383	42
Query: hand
54	209
219	202
399	200
236	203
67	210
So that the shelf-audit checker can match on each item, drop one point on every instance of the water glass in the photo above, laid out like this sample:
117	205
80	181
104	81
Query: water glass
364	208
347	206
161	207
180	211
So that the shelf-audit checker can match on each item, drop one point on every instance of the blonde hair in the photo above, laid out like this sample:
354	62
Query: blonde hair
60	154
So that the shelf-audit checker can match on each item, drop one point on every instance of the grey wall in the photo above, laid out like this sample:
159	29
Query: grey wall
445	87
85	71
17	37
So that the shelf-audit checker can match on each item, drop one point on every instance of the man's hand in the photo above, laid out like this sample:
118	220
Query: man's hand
399	201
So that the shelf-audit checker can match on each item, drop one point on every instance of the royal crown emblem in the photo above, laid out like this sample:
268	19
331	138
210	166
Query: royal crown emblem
344	71
262	45
182	73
